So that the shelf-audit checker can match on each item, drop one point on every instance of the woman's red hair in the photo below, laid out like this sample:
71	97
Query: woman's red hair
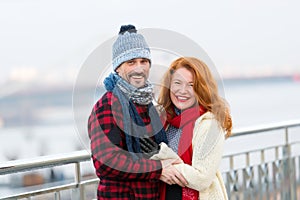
205	88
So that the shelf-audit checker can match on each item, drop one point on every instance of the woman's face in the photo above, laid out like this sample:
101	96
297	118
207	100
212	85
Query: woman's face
181	89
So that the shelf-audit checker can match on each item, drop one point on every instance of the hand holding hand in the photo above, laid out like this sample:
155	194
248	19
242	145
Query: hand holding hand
170	174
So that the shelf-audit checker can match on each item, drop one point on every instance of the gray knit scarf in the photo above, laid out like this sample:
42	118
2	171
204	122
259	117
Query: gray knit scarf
137	138
141	96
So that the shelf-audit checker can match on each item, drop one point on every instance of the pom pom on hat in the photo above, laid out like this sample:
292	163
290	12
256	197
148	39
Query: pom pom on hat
129	28
129	45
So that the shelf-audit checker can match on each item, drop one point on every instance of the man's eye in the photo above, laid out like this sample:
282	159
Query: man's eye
145	61
130	62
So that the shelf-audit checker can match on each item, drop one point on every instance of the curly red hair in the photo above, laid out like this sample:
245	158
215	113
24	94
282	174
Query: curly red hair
205	88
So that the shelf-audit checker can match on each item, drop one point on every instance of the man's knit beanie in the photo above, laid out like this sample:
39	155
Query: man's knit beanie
129	45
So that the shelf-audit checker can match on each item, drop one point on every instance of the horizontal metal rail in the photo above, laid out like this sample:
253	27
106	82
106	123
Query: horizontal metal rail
265	128
76	158
43	162
24	165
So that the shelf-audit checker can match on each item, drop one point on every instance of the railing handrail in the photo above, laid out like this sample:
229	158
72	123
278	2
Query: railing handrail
77	157
83	155
43	162
266	127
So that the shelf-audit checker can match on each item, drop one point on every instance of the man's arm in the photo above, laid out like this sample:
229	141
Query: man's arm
110	160
116	163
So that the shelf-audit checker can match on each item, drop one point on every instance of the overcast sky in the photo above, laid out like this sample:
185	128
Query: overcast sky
58	35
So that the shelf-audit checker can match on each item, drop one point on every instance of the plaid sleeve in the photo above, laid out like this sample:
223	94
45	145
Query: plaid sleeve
110	160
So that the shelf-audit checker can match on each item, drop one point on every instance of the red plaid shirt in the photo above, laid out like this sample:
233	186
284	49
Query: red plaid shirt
121	177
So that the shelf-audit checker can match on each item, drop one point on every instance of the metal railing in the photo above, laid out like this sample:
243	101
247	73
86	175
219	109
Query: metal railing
75	186
266	171
269	171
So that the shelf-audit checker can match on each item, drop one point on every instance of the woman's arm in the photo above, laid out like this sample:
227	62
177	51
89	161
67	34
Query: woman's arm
165	153
208	141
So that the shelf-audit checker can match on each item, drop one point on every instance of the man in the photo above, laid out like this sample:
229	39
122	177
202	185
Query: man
125	129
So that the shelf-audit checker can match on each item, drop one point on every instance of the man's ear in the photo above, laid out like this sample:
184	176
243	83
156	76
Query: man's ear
117	70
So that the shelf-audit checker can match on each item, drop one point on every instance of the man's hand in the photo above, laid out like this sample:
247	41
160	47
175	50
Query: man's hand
170	174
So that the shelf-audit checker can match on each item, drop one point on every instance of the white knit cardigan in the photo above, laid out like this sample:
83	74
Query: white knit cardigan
203	175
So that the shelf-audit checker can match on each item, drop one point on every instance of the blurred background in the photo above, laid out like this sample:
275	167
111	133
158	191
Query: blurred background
43	44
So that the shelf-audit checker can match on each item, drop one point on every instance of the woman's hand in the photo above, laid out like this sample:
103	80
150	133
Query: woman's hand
170	174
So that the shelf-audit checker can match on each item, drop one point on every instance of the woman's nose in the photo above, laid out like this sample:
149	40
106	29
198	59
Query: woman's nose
182	89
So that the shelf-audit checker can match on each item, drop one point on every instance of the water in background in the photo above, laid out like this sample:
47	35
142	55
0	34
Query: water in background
43	123
52	130
255	102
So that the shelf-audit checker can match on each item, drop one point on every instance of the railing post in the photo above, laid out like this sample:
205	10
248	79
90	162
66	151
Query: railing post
57	196
285	194
293	181
287	181
77	193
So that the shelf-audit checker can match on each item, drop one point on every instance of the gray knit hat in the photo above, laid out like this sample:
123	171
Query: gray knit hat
129	45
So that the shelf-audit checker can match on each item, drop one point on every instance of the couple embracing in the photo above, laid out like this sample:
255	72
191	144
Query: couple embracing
172	151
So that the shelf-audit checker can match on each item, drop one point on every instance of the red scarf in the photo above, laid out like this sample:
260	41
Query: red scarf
186	121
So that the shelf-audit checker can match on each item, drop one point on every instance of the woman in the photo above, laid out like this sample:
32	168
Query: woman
197	123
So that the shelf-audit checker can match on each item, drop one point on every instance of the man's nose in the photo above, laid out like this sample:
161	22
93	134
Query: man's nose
138	68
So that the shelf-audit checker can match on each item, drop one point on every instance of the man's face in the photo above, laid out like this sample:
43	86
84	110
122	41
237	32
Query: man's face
135	71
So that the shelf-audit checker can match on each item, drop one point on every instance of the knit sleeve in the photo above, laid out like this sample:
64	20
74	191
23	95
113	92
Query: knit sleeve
208	141
110	160
165	153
